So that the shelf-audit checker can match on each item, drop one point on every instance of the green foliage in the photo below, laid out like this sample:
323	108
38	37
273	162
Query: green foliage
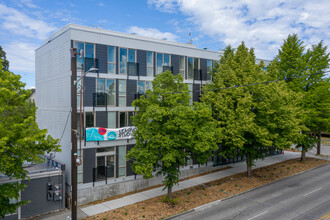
20	138
5	62
171	201
169	130
251	118
306	142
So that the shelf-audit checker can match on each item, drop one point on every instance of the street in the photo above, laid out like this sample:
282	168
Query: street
304	196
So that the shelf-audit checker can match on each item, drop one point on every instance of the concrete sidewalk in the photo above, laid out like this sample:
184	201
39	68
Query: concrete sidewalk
148	194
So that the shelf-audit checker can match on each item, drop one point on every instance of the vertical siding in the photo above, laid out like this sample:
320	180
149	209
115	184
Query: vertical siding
186	67
142	62
129	171
155	66
88	164
101	119
117	92
90	90
102	56
196	92
131	91
117	163
203	67
175	64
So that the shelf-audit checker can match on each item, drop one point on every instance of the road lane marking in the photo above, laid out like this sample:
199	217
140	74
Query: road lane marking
258	215
326	216
313	191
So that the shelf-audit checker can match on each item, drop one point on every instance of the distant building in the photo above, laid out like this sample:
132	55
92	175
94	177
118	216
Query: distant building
33	95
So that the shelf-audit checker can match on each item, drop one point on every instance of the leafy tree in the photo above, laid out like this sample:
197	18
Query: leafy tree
305	142
20	138
251	119
170	131
293	61
5	62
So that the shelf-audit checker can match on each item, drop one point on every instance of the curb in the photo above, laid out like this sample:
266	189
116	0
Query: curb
209	205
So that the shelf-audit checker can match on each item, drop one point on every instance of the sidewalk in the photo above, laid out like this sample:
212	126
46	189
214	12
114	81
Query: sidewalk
148	194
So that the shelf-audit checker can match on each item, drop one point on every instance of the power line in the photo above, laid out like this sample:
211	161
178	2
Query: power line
67	119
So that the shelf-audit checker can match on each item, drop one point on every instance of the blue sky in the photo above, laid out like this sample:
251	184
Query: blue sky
25	24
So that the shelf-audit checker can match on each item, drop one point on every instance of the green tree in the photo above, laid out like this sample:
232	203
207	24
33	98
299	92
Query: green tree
170	131
20	138
251	119
293	61
5	62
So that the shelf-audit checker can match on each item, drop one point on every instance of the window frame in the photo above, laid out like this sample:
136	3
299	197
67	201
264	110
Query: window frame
163	57
122	96
208	71
122	166
106	92
115	59
135	58
153	63
83	58
184	66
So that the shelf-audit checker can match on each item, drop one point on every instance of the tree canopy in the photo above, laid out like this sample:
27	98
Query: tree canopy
311	65
255	118
3	58
170	131
20	138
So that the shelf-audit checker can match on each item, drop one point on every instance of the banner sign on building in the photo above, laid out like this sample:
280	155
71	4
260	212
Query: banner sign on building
109	134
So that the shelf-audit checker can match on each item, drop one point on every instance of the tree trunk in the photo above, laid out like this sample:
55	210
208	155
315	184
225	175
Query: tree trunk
319	143
248	165
303	155
169	192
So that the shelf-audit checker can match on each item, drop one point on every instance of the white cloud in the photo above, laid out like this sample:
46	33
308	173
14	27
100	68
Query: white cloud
261	24
29	3
21	24
20	56
152	32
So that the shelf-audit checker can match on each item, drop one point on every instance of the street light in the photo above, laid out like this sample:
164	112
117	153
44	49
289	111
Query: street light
74	160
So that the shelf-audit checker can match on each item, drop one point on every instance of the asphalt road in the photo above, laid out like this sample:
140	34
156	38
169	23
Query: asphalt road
304	196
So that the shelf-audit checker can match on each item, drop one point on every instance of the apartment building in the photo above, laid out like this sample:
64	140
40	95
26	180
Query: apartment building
126	65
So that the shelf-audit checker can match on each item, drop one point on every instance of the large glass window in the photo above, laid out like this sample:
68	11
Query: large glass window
89	119
80	59
159	63
209	68
123	61
125	119
106	92
88	54
190	68
182	66
162	60
122	161
141	87
148	85
100	92
111	60
111	119
126	55
122	92
111	92
150	64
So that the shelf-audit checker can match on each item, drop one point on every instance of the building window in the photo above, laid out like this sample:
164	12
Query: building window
182	66
150	64
148	85
190	68
163	60
122	92
88	50
209	68
126	55
190	93
141	87
89	118
106	92
121	160
125	119
111	60
111	119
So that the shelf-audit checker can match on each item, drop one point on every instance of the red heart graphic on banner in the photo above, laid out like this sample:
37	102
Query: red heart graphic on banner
102	131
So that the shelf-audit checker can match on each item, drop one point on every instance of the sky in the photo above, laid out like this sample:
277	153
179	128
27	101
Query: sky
263	25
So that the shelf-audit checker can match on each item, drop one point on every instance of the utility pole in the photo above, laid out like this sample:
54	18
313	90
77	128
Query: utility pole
74	153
